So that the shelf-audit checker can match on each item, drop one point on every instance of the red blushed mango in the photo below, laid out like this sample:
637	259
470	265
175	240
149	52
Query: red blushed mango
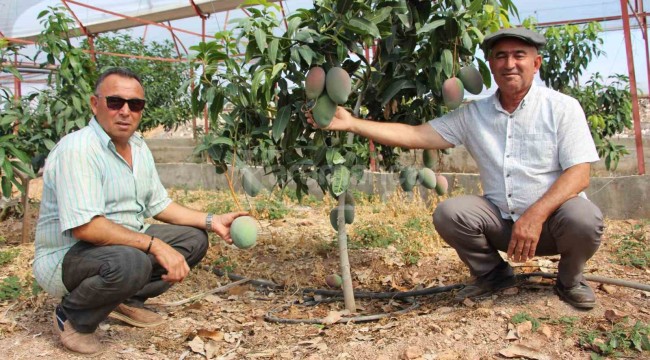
453	92
314	82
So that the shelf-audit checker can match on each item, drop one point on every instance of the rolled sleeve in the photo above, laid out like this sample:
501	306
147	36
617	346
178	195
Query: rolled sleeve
575	142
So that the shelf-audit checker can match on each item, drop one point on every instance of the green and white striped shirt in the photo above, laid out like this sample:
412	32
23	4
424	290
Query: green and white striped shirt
85	177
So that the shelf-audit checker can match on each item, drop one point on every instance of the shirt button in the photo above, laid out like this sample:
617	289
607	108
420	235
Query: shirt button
508	175
507	156
512	213
509	136
511	116
509	195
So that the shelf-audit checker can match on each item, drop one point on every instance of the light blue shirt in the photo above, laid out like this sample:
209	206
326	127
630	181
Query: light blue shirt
84	177
520	155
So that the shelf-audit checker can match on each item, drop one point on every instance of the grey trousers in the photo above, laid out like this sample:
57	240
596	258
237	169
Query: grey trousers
473	226
99	278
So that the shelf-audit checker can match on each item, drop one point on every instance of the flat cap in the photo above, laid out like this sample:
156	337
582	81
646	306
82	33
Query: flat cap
529	36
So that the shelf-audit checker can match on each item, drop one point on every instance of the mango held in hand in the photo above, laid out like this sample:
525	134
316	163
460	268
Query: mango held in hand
333	281
471	78
338	85
453	92
323	111
244	232
314	82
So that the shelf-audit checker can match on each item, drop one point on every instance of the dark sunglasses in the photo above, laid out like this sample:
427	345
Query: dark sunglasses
116	103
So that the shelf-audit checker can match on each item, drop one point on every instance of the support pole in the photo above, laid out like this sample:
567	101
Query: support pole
635	99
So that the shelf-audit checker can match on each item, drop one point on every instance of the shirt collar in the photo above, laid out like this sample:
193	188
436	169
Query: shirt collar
136	139
530	95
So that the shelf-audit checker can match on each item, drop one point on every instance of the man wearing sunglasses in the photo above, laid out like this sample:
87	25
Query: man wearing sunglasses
93	248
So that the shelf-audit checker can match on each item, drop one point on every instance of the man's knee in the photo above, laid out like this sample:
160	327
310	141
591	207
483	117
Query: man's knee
197	243
129	271
580	221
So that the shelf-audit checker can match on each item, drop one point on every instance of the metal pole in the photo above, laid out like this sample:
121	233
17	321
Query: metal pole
635	99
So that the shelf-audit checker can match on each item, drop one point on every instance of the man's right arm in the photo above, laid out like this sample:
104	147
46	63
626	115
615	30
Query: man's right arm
103	232
390	134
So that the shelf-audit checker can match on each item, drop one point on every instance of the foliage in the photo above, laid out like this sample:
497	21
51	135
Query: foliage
568	51
620	340
10	288
608	108
167	103
8	256
634	248
419	44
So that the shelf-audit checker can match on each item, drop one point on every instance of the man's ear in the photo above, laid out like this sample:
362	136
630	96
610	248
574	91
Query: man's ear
538	62
94	102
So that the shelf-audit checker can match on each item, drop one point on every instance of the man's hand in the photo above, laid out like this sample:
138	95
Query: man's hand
171	260
342	120
524	238
221	224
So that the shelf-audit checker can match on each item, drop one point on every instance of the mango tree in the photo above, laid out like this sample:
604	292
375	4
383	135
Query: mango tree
418	46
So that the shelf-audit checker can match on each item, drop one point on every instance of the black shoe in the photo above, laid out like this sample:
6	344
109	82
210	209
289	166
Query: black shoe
500	278
580	296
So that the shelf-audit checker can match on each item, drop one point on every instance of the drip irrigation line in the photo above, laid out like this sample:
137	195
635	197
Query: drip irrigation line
356	319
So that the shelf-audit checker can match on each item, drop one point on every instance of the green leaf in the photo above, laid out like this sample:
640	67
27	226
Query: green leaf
379	16
429	27
306	53
273	50
342	6
364	27
222	140
281	121
448	63
260	38
276	69
485	73
338	159
394	88
6	187
49	144
340	180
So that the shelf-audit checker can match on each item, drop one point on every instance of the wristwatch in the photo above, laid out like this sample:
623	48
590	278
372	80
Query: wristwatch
208	222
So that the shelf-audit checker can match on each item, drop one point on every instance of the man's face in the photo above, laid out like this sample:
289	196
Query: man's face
120	123
514	64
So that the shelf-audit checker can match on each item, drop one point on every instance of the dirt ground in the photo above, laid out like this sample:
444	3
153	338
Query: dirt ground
393	248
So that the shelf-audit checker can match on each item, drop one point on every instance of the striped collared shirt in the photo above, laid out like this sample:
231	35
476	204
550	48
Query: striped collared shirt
85	177
521	154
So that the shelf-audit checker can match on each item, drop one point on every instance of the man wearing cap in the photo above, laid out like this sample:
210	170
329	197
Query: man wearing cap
533	149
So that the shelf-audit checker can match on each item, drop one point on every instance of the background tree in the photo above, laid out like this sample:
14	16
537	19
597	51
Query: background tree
166	105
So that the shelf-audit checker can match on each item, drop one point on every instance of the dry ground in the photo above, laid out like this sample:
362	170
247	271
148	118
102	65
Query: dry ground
394	248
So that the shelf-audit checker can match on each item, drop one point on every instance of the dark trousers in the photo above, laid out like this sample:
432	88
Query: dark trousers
99	278
473	226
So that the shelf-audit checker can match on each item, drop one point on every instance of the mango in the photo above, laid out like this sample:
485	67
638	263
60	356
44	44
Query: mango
453	92
441	185
408	178
314	82
250	183
471	78
338	85
334	281
427	177
323	111
428	159
348	214
244	232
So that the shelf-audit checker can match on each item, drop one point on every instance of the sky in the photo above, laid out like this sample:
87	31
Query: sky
544	11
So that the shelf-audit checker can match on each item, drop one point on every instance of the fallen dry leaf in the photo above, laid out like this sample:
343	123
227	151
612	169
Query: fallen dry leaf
197	345
524	351
210	334
332	317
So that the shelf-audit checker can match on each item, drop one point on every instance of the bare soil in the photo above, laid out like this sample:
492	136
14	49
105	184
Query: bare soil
394	248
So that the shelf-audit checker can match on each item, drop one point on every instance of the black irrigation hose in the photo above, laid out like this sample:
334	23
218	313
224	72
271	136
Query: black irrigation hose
357	319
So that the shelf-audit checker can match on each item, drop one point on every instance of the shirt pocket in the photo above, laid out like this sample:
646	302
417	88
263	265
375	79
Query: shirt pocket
537	150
